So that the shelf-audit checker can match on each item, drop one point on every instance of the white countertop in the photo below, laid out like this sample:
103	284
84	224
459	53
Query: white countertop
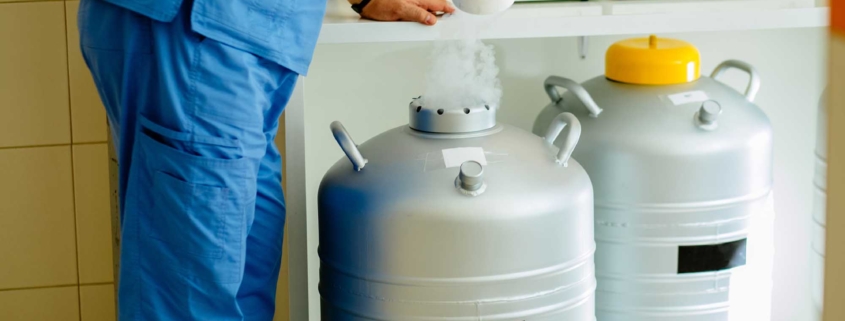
575	18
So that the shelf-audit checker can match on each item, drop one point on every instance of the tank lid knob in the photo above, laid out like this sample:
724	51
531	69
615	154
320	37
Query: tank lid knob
470	180
652	42
709	113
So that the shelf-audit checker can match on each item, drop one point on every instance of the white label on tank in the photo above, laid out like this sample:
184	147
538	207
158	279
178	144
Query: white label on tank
454	157
688	97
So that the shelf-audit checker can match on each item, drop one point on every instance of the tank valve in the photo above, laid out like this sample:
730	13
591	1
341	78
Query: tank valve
470	181
708	114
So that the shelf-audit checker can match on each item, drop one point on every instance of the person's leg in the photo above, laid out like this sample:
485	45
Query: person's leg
257	294
114	43
194	142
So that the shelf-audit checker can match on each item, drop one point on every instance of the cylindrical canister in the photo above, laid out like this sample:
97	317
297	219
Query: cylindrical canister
682	170
455	217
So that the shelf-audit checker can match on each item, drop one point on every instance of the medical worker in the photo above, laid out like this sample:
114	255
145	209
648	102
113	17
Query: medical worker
193	91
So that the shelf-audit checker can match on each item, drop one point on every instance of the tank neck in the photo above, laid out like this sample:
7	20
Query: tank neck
431	119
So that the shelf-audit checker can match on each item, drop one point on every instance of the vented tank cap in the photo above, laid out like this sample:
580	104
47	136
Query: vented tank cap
435	119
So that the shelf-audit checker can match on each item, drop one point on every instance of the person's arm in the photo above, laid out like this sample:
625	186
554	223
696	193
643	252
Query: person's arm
422	11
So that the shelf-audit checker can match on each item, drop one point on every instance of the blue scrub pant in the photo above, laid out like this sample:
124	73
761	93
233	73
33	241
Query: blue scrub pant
201	202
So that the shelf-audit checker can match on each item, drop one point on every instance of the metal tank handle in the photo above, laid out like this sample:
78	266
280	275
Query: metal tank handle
553	82
753	82
348	146
569	122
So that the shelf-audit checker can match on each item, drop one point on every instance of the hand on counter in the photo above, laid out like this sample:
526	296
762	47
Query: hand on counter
422	11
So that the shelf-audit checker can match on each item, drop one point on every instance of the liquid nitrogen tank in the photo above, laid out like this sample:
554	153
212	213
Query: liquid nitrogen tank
455	217
682	170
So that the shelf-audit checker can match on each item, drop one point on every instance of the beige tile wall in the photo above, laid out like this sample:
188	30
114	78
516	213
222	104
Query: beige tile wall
37	243
834	283
34	84
53	304
97	302
57	261
55	248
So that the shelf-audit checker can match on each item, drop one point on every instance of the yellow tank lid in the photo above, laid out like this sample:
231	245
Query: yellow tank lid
653	61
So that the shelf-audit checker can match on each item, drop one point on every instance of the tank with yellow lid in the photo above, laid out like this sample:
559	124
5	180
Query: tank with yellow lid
682	171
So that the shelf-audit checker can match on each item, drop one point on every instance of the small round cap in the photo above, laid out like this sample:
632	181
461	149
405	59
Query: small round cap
470	175
709	112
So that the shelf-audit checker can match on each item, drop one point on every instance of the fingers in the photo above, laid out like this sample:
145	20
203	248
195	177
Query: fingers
421	11
411	12
436	6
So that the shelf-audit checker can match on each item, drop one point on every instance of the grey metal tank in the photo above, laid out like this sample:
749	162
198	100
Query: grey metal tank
817	253
455	217
683	179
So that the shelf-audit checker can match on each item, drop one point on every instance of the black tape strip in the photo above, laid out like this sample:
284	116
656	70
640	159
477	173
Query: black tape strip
713	257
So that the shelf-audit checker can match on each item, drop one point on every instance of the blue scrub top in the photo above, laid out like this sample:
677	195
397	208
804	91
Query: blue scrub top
284	31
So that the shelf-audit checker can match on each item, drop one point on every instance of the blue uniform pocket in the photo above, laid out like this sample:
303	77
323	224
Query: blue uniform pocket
199	203
243	96
198	220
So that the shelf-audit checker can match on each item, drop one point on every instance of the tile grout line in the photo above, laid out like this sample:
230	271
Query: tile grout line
39	287
30	1
51	145
55	286
72	165
95	283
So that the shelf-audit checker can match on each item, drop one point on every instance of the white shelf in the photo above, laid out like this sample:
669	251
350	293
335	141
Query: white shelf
563	19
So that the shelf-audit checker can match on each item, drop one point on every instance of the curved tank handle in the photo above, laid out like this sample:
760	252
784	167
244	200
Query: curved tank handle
753	82
553	82
573	134
348	146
